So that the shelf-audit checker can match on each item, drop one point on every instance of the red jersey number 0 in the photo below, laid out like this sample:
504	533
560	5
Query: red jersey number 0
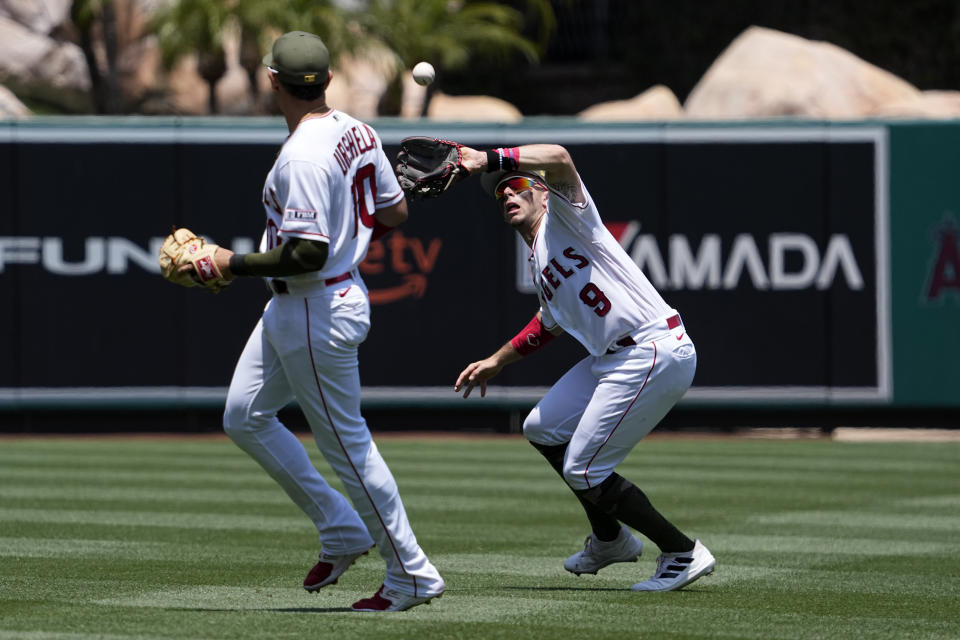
362	213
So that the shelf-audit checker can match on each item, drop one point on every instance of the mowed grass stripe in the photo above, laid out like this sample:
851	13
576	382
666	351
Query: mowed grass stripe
112	477
427	479
248	497
765	580
949	502
254	521
240	463
120	461
506	449
763	463
250	472
552	606
831	546
71	635
161	499
190	553
862	520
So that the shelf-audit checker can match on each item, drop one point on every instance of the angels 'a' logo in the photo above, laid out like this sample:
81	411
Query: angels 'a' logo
945	271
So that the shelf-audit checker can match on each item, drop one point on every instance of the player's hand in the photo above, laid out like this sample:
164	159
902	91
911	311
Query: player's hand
222	259
473	160
188	260
477	373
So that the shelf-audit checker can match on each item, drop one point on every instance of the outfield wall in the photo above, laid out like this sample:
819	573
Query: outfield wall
814	264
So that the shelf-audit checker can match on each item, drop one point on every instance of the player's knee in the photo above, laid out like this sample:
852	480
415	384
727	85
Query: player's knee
532	427
539	433
607	495
235	421
575	473
231	426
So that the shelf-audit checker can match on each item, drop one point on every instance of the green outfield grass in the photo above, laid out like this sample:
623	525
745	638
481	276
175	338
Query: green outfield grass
188	538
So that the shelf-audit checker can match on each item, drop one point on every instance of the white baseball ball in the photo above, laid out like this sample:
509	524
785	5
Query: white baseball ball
423	73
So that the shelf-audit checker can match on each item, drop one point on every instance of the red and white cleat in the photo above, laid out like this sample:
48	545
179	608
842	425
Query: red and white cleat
328	570
389	600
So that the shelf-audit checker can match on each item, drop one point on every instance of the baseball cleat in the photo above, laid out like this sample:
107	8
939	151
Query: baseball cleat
677	570
597	554
328	570
389	600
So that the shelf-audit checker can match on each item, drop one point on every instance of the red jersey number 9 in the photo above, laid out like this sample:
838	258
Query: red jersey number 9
592	296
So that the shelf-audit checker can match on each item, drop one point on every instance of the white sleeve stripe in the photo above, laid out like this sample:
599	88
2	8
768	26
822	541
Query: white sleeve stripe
390	201
298	233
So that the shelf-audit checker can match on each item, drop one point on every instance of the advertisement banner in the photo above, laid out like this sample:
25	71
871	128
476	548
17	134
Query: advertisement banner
771	242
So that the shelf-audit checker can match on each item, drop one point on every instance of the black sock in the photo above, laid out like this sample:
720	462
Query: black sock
622	499
605	527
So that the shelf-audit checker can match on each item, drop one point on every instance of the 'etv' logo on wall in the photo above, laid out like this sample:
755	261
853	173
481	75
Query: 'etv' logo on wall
397	266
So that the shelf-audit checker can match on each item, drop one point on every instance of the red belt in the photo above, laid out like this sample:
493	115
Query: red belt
672	323
348	275
280	287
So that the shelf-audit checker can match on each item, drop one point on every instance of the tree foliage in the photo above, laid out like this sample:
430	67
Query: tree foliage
448	33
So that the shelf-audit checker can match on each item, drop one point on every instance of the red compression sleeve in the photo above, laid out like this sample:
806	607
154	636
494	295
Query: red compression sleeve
531	337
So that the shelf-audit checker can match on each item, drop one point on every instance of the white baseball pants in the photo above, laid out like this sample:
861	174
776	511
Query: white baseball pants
305	347
604	405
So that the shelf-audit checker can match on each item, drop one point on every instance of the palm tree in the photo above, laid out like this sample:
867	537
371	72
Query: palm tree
448	33
257	20
195	26
321	17
261	21
86	15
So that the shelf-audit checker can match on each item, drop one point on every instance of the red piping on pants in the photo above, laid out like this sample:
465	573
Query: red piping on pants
333	428
586	471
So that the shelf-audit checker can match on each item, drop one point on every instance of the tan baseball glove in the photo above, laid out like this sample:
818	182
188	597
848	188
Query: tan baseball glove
184	247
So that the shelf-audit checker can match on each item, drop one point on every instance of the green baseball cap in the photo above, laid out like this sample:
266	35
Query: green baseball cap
300	58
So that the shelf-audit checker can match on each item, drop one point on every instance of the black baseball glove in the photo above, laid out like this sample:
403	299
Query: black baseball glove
426	167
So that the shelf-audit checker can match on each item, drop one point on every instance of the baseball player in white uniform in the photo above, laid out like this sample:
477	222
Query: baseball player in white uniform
641	360
330	190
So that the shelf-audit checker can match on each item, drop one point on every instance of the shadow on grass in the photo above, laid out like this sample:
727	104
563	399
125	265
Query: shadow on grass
564	589
267	609
615	589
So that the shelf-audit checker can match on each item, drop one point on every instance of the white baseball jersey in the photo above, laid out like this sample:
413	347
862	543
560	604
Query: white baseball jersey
586	282
328	180
606	403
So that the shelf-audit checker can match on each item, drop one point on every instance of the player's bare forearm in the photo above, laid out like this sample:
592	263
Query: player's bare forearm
477	373
393	215
553	159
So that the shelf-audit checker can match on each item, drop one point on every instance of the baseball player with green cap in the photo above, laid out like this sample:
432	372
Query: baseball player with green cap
330	191
299	58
